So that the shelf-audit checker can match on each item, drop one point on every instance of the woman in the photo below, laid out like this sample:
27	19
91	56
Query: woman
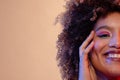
89	45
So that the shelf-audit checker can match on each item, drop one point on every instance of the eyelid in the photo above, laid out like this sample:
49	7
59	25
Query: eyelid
103	34
102	31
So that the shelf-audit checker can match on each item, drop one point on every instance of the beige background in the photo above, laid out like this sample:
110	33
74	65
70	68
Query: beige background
27	39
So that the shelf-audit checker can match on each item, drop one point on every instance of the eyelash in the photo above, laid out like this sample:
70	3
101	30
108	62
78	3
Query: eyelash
103	35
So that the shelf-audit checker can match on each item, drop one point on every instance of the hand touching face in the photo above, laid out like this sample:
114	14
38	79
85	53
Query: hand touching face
105	56
86	71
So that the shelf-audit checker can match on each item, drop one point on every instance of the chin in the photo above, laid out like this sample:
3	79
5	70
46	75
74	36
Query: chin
113	72
112	68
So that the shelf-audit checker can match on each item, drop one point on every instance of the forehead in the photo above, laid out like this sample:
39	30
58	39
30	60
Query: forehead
111	20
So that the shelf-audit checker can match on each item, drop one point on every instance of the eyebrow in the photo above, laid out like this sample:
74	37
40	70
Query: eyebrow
103	27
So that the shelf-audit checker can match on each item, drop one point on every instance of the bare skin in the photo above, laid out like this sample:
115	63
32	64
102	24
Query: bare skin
86	70
104	38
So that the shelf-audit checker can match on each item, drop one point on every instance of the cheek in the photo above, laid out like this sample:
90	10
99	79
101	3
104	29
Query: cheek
98	49
99	45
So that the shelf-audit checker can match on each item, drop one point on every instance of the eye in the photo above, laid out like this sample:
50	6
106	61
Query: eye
103	34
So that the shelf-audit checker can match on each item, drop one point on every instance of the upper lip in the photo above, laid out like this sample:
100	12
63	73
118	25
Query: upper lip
116	51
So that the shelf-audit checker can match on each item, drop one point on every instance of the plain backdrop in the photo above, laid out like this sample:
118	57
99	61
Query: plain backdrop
28	39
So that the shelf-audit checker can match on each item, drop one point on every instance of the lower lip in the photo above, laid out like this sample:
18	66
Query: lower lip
114	59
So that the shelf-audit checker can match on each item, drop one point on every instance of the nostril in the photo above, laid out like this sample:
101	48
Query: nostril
115	45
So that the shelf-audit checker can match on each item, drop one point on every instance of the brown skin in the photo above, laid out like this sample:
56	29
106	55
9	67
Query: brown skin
105	38
85	65
78	21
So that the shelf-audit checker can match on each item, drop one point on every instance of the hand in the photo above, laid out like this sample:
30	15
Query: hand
86	71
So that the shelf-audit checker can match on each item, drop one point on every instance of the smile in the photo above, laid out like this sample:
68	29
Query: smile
113	56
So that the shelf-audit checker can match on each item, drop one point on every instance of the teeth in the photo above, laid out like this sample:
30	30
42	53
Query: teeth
114	55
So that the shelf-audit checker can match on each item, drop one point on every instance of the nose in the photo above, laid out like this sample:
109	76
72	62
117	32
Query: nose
115	41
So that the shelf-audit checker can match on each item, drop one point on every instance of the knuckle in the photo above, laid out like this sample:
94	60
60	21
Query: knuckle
85	52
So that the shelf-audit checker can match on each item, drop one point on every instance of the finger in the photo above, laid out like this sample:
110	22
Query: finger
87	41
84	57
88	49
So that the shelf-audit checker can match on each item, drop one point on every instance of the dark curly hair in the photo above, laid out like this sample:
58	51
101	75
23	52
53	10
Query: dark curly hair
78	20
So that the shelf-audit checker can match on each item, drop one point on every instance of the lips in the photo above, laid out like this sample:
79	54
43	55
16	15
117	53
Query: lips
113	55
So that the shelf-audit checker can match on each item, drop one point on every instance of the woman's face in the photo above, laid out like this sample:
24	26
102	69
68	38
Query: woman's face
106	51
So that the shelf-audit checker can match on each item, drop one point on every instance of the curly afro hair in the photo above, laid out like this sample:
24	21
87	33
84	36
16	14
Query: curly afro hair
78	20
